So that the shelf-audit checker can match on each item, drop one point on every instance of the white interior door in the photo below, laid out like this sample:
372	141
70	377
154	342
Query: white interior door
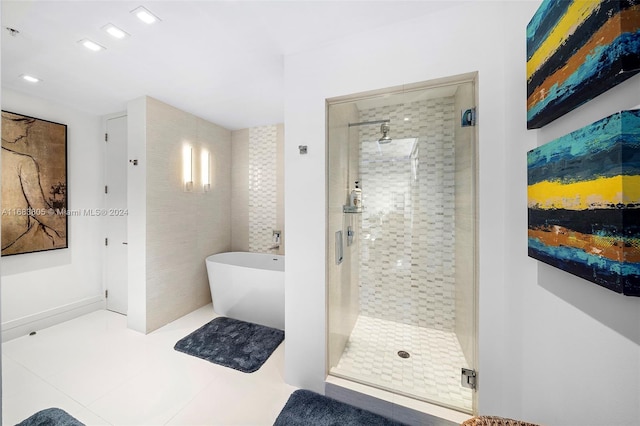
116	214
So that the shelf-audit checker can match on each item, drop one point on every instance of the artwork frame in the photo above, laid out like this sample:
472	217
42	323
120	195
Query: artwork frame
34	184
577	50
583	199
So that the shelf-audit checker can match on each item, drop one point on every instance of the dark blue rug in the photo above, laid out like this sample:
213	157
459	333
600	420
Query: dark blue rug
51	417
309	408
237	344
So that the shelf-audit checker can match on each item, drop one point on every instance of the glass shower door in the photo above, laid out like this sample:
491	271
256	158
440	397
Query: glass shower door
402	301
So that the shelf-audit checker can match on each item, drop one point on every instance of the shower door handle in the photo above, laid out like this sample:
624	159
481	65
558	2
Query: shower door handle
339	253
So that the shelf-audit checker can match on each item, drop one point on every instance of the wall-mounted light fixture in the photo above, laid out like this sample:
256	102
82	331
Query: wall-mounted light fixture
205	169
187	167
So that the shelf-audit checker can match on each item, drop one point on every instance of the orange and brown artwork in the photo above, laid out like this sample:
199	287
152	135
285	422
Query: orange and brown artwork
577	50
34	184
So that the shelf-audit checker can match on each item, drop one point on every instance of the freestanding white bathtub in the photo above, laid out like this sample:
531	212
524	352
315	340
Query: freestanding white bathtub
248	287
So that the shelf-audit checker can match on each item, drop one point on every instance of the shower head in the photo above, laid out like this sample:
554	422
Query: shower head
384	128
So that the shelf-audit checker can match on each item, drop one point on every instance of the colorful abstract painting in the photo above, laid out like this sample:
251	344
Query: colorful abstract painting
576	50
584	202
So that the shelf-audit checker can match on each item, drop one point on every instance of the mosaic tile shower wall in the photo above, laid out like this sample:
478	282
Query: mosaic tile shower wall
262	187
408	226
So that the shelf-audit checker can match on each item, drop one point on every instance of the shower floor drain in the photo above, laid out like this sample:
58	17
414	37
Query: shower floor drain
403	354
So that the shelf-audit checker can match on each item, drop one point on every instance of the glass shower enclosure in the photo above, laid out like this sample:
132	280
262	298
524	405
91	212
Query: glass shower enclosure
402	262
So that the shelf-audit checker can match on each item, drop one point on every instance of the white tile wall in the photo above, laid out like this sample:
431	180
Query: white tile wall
408	225
343	282
240	190
262	187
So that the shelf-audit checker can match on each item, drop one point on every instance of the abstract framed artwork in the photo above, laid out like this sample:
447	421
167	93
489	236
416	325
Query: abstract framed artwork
584	202
577	50
34	184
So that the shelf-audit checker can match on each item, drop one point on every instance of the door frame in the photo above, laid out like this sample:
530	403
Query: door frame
472	77
105	120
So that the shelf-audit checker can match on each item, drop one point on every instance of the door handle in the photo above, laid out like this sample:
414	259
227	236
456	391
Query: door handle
125	243
339	253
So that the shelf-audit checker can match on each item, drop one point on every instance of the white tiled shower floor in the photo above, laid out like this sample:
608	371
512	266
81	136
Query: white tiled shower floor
432	372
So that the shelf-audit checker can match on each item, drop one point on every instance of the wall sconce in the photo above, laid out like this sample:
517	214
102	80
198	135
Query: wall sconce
187	168
205	169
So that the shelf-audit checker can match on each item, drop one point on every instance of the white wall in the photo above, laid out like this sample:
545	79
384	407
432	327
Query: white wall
553	349
38	288
558	323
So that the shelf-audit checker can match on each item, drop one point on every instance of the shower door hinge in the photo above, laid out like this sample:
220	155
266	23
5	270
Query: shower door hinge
469	378
106	294
468	117
106	137
106	241
106	189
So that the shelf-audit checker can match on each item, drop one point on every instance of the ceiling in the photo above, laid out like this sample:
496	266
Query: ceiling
220	60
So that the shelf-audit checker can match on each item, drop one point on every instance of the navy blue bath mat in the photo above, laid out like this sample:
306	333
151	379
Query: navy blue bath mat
51	417
241	345
309	408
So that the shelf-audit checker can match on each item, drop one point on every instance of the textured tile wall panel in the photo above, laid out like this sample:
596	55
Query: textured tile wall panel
408	225
262	187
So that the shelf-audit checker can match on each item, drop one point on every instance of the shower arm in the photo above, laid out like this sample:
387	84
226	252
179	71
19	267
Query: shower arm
362	123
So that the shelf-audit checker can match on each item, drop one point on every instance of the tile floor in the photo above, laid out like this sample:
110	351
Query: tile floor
102	373
432	372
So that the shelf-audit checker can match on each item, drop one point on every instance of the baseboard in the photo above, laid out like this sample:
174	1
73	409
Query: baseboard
23	326
395	407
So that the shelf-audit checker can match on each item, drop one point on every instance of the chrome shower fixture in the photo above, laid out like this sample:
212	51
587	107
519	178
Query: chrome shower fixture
384	128
363	123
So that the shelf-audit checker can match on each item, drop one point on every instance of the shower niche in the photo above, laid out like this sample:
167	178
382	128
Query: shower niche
402	300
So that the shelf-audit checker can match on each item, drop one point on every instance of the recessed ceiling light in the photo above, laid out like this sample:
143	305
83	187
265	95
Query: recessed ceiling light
144	15
114	31
91	45
30	78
